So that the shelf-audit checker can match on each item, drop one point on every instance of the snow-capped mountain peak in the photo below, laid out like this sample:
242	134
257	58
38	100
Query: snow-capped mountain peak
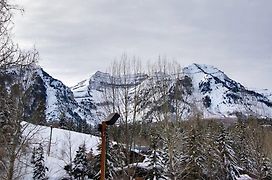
201	88
207	88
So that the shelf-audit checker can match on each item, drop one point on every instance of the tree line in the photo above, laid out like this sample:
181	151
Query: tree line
202	149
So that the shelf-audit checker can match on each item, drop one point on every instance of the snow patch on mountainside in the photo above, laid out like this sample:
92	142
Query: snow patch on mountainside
59	98
267	93
51	100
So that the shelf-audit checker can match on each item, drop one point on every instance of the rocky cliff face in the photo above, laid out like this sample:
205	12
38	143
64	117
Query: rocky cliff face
44	98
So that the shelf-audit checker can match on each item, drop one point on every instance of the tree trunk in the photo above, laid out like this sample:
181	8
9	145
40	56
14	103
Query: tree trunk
11	165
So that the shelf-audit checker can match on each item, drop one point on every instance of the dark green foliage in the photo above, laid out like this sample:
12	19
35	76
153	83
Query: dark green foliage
242	146
155	161
228	167
115	158
94	172
39	169
62	123
193	155
155	165
79	168
211	163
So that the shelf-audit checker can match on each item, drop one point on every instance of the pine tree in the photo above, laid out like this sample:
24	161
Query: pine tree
62	122
80	164
95	166
170	167
260	157
155	165
39	169
114	159
266	170
211	163
193	158
227	159
242	146
155	161
170	136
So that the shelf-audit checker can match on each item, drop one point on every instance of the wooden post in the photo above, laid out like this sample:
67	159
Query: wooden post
50	139
103	151
110	120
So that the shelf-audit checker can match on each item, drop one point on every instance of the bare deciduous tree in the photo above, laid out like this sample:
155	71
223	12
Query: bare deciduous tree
13	144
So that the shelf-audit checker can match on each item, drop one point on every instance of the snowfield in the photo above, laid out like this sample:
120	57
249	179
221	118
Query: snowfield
64	145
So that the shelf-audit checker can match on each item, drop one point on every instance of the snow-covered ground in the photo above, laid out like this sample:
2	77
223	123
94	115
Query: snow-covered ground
64	145
244	177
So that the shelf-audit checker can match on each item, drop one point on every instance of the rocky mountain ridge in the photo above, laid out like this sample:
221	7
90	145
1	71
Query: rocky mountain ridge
197	89
203	88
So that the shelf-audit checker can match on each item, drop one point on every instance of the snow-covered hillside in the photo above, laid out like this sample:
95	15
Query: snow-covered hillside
64	145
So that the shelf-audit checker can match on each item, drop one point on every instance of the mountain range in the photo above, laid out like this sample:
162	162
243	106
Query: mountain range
196	90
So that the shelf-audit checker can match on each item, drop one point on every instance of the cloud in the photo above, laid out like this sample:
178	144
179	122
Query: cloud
84	36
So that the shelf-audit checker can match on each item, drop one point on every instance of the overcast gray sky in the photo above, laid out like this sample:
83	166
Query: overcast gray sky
78	37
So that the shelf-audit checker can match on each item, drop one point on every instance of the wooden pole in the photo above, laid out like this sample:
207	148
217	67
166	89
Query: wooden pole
50	139
103	151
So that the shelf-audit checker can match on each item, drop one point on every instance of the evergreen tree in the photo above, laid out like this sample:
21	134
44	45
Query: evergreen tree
155	161
171	168
91	158
242	146
211	164
114	159
266	170
62	122
227	160
193	158
80	165
94	173
155	165
170	135
259	150
39	169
